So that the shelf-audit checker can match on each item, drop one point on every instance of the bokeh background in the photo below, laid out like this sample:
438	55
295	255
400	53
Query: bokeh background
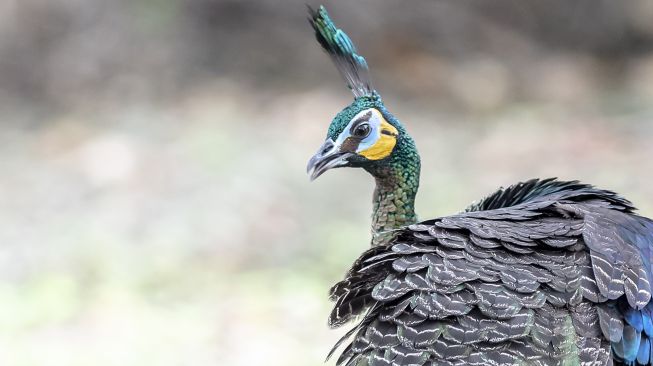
154	207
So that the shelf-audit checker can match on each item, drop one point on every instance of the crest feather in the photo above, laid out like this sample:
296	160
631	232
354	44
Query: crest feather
337	44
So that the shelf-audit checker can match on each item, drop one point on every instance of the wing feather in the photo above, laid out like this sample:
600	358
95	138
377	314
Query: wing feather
561	276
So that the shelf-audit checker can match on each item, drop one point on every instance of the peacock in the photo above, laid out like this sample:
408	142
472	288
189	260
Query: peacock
544	272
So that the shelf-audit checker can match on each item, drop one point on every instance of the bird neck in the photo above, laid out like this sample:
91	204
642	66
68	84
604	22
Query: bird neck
397	182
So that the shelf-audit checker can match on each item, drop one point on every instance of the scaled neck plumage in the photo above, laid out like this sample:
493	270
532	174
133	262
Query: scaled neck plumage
397	183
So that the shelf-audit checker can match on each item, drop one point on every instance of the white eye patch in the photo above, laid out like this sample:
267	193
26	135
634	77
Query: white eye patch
370	116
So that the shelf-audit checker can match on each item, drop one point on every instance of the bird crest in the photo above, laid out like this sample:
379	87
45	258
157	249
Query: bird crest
339	46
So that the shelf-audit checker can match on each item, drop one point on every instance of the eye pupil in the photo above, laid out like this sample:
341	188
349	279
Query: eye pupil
362	130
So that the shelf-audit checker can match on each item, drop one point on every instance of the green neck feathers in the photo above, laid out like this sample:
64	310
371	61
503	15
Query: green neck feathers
397	182
397	176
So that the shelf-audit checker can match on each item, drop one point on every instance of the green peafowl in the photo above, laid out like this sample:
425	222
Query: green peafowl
545	272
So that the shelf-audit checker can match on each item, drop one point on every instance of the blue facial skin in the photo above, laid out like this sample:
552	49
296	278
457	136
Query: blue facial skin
342	119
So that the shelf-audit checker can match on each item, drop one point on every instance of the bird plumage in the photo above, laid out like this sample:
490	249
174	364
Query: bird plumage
337	44
537	282
544	272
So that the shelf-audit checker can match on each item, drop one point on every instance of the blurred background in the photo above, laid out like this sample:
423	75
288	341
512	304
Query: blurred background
154	206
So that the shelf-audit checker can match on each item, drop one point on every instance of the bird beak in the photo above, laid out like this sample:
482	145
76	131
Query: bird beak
327	157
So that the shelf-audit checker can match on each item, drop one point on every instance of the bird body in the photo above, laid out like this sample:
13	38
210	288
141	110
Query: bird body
544	272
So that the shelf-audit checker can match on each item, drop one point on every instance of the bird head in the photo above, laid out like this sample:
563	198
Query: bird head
364	134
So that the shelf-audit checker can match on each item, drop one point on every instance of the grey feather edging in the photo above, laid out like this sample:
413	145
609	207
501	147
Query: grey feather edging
559	275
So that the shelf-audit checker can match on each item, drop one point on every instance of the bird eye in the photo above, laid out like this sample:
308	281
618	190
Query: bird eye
362	130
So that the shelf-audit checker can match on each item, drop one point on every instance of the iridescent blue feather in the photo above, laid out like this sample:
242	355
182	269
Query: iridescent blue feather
342	50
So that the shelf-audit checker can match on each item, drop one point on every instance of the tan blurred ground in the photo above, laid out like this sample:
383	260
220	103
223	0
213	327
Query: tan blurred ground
154	208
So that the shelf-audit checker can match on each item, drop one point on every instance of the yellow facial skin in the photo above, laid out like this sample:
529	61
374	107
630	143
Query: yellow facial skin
386	142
